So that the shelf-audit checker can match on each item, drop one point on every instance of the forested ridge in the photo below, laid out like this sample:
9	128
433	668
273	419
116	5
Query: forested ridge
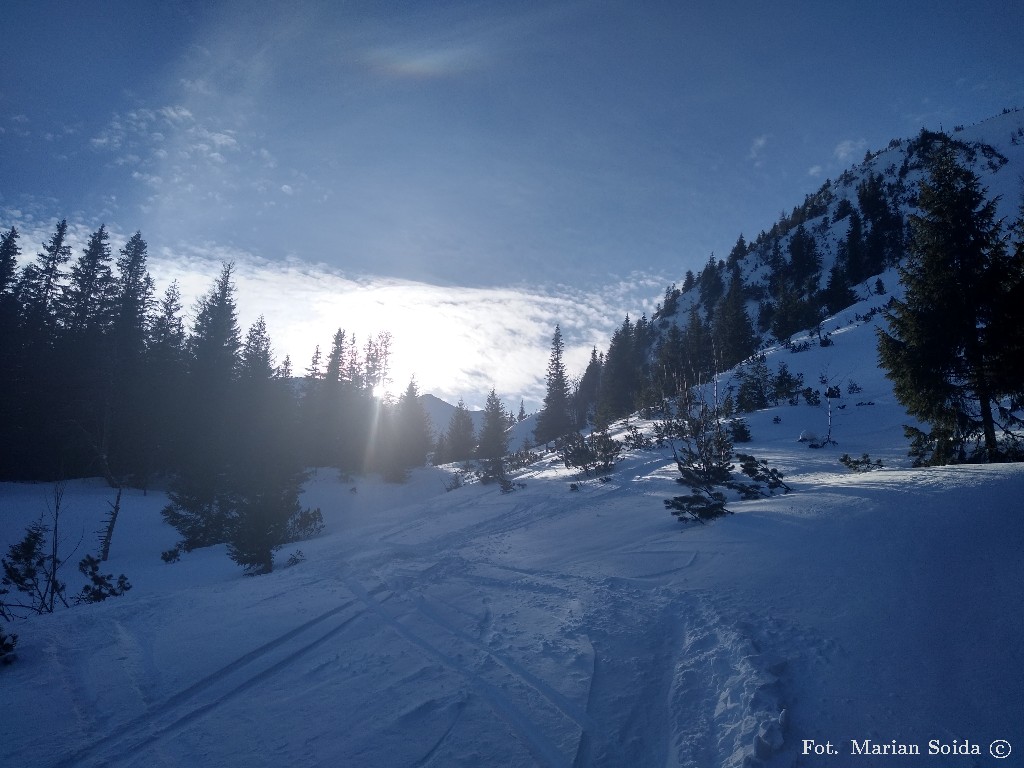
826	254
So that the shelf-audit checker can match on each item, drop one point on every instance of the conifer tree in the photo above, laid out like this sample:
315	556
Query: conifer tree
732	330
264	474
216	339
165	379
11	404
460	440
132	406
91	289
851	251
133	291
939	350
620	381
698	351
711	283
9	252
407	439
202	497
39	289
670	368
493	443
584	400
554	420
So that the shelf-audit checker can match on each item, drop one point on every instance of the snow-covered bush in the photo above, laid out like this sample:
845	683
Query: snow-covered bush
703	449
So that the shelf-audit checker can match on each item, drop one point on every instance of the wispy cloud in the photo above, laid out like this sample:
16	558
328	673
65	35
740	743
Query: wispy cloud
848	149
423	62
456	341
757	148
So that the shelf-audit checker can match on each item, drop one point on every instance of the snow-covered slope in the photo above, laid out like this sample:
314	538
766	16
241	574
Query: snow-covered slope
557	627
992	148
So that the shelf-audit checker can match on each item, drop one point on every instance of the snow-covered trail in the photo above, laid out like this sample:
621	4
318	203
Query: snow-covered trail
551	627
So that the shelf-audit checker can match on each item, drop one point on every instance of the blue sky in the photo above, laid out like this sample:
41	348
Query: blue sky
577	155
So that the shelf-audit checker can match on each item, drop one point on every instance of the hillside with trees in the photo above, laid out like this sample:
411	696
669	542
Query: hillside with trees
880	228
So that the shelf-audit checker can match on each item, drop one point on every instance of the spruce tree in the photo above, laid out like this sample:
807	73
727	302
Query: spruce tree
133	300
90	293
9	252
413	429
264	474
493	443
202	499
132	406
10	352
620	379
939	350
39	289
732	330
554	420
165	382
584	400
460	440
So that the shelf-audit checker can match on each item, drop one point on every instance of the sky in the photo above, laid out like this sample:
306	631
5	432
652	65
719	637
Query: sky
465	174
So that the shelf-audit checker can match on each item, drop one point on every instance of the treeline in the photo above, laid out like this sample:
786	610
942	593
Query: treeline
102	377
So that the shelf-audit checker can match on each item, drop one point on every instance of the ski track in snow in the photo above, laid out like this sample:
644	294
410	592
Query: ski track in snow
125	741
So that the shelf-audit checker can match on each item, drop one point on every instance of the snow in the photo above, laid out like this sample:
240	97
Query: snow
555	627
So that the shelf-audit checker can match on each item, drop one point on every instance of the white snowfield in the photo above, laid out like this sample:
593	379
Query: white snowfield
551	627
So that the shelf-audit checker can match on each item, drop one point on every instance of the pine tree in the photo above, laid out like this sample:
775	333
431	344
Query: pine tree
493	443
409	439
10	351
39	288
838	294
90	293
584	400
620	376
852	251
257	359
202	497
699	354
133	291
216	339
131	411
939	350
165	378
732	330
711	284
460	440
9	252
554	419
264	475
337	357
